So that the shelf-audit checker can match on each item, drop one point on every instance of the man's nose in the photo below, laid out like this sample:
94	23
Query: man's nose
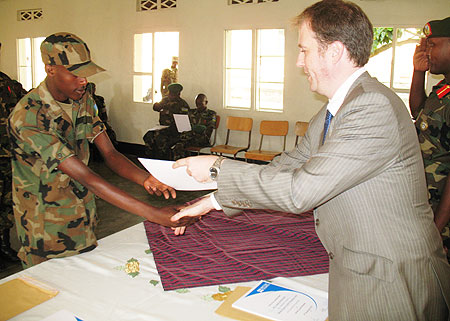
300	60
83	81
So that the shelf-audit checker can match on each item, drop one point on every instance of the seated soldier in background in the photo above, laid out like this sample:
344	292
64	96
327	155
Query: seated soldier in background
159	142
203	122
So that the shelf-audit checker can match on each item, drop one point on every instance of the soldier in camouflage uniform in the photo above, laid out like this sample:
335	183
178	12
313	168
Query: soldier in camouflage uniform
159	142
50	130
203	122
11	92
432	116
169	76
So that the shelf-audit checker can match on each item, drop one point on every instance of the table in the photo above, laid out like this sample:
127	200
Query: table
95	286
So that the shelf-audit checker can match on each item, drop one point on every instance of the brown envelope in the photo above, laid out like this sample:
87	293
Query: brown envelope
19	295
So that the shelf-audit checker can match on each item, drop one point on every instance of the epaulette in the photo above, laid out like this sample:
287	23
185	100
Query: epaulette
444	90
441	92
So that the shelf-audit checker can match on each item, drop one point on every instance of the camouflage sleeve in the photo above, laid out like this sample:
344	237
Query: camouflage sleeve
97	124
447	109
51	148
211	123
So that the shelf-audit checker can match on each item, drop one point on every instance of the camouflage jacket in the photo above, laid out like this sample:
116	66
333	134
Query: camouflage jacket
433	127
55	215
202	123
170	107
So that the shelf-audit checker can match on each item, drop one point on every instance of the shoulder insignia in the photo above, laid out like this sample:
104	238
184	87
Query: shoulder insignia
441	92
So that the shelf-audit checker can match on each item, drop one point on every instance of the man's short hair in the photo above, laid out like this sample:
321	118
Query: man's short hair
344	21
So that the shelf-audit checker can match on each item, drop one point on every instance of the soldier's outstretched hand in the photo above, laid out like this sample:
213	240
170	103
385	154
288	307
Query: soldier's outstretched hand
154	186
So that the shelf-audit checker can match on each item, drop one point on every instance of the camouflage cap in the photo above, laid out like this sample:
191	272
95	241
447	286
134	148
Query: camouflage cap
437	28
175	88
68	50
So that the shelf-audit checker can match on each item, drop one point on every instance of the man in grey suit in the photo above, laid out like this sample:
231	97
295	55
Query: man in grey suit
361	172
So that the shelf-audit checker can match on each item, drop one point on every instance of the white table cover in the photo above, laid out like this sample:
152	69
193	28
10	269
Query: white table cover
94	286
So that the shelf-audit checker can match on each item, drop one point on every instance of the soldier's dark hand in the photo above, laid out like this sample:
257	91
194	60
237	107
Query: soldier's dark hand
420	59
163	216
153	186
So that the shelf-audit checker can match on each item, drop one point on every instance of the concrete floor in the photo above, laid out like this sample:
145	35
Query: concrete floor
111	218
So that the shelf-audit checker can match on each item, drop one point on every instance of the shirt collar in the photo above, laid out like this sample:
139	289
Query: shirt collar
338	98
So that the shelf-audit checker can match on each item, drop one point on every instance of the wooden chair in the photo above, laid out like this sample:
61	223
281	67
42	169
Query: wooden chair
196	149
243	124
269	128
300	130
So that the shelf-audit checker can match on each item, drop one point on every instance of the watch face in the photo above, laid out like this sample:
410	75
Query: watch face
213	173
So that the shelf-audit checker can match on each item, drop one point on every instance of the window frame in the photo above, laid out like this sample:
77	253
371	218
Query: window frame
398	91
255	83
36	66
154	69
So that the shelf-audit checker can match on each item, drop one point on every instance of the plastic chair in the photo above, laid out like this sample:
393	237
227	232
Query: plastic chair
300	130
234	124
269	128
196	149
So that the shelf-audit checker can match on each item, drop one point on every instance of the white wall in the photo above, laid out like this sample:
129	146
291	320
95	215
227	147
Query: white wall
108	27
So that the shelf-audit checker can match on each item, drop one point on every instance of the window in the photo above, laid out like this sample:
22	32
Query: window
153	53
391	61
254	69
31	69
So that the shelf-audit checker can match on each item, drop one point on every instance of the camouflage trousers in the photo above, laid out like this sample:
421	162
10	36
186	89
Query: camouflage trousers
188	139
159	143
6	210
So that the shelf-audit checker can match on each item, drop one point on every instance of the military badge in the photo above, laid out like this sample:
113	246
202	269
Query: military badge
427	30
424	125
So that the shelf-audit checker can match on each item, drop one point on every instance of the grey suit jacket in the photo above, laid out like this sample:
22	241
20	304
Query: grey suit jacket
367	186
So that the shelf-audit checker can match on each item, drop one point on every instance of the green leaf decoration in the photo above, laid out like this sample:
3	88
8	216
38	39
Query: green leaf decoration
224	289
134	274
207	297
182	291
148	251
153	282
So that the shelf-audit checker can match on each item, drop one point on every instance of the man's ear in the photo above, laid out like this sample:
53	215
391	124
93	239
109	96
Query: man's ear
337	50
50	70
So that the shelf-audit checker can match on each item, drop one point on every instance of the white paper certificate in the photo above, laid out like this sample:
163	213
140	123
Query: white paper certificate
183	123
177	178
282	304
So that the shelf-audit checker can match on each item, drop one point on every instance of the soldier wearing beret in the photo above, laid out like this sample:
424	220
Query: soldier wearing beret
53	188
432	115
159	142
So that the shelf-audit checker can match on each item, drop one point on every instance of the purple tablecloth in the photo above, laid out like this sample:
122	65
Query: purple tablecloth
256	245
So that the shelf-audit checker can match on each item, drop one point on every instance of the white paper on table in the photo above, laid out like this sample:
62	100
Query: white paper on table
177	178
279	303
158	127
62	315
183	123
